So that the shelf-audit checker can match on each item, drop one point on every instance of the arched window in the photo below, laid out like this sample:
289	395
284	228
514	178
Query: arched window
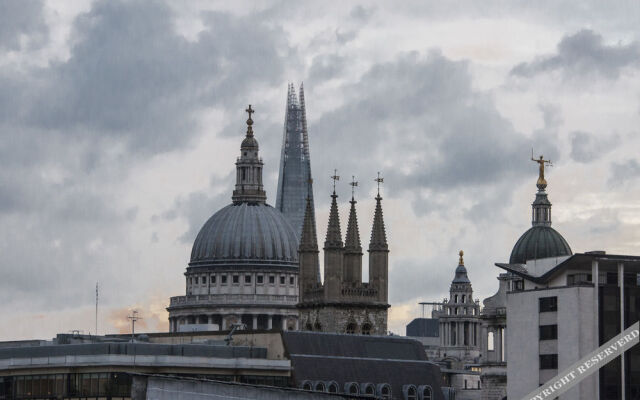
332	387
425	392
455	298
320	387
308	327
463	298
317	326
351	388
410	392
368	389
351	328
306	385
384	391
366	329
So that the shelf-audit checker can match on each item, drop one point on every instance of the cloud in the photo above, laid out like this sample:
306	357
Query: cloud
443	134
325	67
625	171
584	54
587	147
22	24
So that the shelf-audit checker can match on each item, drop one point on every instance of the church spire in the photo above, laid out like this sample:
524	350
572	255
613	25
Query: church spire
249	165
541	206
309	238
352	239
334	236
378	233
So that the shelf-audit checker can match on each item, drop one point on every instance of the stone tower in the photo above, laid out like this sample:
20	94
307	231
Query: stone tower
294	182
343	303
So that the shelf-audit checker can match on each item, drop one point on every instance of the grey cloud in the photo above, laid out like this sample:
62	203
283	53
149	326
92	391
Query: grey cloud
361	13
444	134
325	67
419	278
587	147
22	21
622	172
584	53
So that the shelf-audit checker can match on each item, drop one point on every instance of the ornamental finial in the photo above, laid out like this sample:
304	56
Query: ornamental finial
542	183
335	178
353	184
461	261
379	180
249	121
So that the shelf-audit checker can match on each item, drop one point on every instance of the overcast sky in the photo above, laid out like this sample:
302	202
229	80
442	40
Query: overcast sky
120	123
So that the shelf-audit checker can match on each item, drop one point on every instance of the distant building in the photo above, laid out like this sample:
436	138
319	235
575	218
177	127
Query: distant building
262	365
244	261
294	179
343	303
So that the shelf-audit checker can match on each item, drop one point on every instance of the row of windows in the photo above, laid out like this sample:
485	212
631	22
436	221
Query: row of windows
247	279
462	311
463	298
113	385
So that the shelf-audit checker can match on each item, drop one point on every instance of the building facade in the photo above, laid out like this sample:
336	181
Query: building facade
244	261
343	303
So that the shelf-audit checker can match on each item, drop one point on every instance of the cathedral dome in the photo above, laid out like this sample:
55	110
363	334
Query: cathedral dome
246	233
539	242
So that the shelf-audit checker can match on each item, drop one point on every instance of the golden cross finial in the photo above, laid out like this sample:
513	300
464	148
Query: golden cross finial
353	184
541	162
461	261
335	178
250	111
379	180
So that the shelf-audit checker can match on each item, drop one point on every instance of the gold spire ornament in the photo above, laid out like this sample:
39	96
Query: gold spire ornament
461	261
542	183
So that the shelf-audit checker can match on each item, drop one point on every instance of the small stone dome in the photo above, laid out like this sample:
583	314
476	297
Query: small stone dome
539	242
461	275
246	233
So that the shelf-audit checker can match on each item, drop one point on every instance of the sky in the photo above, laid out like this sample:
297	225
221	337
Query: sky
120	122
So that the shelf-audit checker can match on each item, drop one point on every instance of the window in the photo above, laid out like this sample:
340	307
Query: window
411	392
427	394
352	388
196	280
282	279
548	361
548	304
465	384
351	328
577	279
272	279
223	279
463	298
320	387
236	279
190	281
204	280
306	385
332	388
385	391
366	329
455	298
260	279
490	340
291	280
548	332
213	279
518	285
247	279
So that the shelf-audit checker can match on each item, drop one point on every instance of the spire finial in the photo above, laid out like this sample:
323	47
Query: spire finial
542	183
249	121
379	180
353	184
461	261
335	178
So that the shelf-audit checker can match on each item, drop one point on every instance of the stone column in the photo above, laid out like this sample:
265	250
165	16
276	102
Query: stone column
284	323
270	322
255	322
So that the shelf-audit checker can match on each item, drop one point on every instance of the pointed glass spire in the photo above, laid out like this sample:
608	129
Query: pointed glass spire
294	180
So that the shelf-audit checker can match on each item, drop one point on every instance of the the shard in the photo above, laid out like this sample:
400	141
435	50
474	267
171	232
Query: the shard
294	182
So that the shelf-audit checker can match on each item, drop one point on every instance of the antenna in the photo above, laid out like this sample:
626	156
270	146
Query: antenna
96	308
133	317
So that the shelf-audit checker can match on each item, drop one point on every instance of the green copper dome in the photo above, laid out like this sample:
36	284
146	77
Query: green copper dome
539	242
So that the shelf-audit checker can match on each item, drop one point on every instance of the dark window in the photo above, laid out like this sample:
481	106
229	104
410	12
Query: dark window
247	279
272	279
549	361
518	285
351	328
548	304
236	279
260	279
548	332
196	280
213	279
291	280
282	279
204	280
223	279
366	329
